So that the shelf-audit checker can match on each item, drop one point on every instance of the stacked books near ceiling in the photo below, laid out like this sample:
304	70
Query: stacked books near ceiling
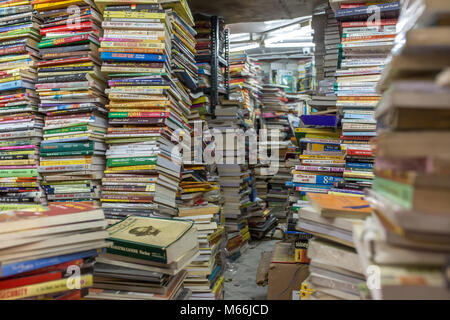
245	84
201	103
71	91
148	109
326	38
335	270
364	46
20	123
406	240
42	248
199	201
146	260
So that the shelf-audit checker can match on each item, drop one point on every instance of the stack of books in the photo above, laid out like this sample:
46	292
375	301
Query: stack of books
71	91
245	85
326	39
146	260
365	46
322	161
148	110
335	271
275	120
406	240
234	182
48	252
260	220
198	202
20	123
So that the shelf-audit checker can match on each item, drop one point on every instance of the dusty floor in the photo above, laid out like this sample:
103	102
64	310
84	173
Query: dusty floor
241	278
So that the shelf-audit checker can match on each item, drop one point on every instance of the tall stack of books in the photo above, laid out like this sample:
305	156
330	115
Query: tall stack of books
244	83
275	119
148	110
43	248
335	270
20	123
199	201
146	260
326	38
365	45
405	243
71	91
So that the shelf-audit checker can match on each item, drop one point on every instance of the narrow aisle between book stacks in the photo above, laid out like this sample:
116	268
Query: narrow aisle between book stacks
216	150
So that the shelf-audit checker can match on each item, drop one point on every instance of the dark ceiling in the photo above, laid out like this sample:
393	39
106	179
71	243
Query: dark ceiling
236	11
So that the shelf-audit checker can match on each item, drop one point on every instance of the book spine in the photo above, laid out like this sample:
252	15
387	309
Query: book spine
137	251
131	162
132	57
67	147
316	179
63	41
138	114
400	193
43	288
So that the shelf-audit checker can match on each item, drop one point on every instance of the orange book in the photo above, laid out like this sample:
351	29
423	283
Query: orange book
339	206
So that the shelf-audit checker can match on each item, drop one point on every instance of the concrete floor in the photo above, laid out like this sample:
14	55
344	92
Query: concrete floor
240	281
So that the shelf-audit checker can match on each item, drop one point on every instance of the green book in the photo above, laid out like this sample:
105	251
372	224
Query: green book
124	162
152	239
400	193
18	173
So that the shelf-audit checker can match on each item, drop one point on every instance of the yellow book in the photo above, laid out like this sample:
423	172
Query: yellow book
129	168
16	162
21	152
18	185
14	58
344	194
45	288
51	5
307	156
21	3
68	136
65	162
218	285
134	15
101	4
10	79
84	64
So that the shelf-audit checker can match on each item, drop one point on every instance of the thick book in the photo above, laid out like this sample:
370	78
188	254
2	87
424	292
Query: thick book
332	206
155	239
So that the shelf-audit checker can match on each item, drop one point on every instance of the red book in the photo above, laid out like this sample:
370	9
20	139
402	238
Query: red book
64	61
148	114
382	22
354	152
81	27
26	281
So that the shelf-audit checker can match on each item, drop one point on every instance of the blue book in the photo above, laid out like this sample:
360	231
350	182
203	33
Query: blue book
359	134
359	165
358	116
322	179
386	10
320	120
142	57
11	269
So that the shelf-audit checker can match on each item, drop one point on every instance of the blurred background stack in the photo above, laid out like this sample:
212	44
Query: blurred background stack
404	246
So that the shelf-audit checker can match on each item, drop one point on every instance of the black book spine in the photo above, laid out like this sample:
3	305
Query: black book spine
64	78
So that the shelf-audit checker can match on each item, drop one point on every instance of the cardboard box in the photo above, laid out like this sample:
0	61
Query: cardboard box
285	278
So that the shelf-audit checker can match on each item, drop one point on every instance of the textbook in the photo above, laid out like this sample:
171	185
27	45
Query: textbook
154	239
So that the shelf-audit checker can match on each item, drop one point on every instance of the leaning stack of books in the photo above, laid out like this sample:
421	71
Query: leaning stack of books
365	46
146	260
335	270
245	84
405	243
48	252
20	123
260	220
71	91
147	111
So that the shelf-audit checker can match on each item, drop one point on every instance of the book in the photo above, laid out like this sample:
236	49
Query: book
342	206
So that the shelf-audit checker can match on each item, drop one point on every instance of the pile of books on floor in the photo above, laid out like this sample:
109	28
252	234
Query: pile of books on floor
406	240
146	260
365	46
245	85
275	119
43	248
260	220
20	123
71	91
148	112
199	201
234	183
335	270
